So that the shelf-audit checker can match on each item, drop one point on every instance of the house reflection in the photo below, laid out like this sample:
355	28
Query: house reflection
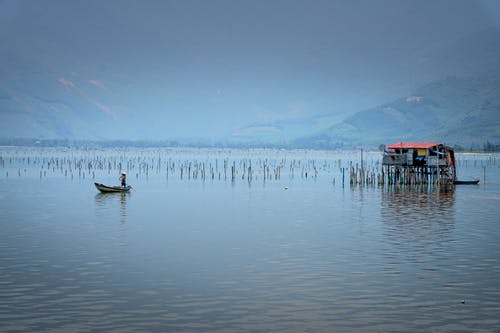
418	215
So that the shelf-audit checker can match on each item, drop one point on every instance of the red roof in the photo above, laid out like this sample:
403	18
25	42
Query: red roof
408	145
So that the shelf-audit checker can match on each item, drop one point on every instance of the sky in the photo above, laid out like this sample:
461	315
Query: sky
220	65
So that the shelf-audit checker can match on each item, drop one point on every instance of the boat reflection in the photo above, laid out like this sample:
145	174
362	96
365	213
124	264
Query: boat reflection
106	205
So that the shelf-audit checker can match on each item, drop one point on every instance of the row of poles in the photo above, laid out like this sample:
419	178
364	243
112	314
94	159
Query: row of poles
362	173
221	169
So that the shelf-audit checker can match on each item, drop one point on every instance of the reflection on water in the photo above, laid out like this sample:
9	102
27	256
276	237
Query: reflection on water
411	205
418	215
221	257
107	204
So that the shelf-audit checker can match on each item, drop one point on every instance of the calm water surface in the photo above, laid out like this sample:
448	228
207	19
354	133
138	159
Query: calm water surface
292	254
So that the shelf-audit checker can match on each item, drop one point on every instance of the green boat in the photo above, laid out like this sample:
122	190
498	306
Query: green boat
112	189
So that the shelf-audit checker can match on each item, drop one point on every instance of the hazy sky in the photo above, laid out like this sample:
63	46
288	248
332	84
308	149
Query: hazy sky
230	63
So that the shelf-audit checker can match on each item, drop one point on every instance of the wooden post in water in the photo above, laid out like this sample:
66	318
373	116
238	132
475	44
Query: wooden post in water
362	169
343	176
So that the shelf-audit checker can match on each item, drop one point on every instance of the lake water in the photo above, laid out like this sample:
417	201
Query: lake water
205	253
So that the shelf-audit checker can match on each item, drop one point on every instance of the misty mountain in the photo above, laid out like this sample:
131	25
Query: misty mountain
59	96
37	102
468	63
461	111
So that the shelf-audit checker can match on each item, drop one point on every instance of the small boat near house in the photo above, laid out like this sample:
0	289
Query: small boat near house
467	182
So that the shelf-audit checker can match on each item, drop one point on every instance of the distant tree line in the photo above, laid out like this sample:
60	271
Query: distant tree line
491	147
319	144
26	142
487	147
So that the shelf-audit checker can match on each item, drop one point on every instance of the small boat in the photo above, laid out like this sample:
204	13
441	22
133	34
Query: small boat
467	182
112	189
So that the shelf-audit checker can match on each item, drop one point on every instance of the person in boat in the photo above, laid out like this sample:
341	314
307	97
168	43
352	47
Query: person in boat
123	179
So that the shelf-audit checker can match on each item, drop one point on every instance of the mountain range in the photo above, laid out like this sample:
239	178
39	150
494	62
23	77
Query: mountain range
462	111
455	99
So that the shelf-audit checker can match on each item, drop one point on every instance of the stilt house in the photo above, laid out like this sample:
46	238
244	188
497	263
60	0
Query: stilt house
419	163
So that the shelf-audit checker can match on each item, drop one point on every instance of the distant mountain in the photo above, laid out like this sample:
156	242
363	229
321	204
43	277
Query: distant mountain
90	99
36	101
460	108
281	132
461	111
